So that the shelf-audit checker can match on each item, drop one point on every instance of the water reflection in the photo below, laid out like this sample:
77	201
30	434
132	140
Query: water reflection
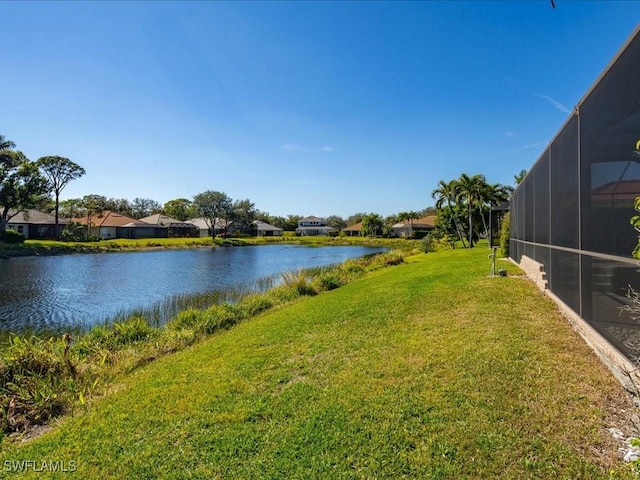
53	293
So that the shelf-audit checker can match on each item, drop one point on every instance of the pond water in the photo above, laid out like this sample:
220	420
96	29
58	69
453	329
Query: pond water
76	291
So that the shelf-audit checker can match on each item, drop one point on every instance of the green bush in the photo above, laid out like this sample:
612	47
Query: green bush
429	244
11	236
505	235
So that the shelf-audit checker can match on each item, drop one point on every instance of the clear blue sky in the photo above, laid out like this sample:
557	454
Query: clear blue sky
303	107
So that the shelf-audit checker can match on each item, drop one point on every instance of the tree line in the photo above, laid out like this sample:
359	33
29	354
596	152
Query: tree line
462	205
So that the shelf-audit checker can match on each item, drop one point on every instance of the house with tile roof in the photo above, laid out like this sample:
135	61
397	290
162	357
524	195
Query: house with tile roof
354	230
109	224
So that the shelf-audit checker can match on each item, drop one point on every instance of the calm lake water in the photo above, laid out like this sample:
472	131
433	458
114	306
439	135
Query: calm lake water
54	293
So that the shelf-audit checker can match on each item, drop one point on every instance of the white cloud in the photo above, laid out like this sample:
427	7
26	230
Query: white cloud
553	102
511	133
295	148
526	147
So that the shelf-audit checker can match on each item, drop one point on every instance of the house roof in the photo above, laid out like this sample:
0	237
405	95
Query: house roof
201	223
356	227
164	221
35	217
425	222
266	227
159	219
310	218
109	219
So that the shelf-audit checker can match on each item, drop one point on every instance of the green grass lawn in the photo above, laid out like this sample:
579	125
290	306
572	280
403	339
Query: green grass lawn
429	369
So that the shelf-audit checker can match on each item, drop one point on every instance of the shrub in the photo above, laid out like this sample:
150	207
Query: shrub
11	236
429	244
329	280
187	319
298	280
36	382
505	235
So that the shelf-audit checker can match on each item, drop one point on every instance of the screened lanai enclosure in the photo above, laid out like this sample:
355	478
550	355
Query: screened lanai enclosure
572	211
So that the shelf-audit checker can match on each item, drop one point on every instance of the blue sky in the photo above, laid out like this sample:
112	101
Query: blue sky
303	107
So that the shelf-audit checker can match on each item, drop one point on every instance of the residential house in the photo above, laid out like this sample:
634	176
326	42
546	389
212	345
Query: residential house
414	228
266	230
204	227
110	224
175	228
313	226
354	230
35	225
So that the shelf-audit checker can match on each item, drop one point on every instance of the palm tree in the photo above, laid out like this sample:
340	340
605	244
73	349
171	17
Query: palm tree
446	192
469	190
491	195
520	176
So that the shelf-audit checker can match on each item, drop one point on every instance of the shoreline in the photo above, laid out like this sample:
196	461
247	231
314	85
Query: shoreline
46	248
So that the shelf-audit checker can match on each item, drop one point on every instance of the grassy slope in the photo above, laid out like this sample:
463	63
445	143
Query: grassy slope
424	370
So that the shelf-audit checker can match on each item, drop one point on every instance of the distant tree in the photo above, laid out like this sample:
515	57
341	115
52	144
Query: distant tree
243	214
143	207
427	211
274	220
94	206
21	185
335	221
181	209
121	206
355	218
72	208
291	223
372	225
59	172
211	206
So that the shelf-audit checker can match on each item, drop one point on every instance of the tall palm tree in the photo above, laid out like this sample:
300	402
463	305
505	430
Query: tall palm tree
445	192
491	195
469	190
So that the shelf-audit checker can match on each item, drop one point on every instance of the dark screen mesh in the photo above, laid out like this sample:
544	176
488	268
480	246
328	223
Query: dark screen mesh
605	288
564	277
564	186
576	203
610	156
541	199
529	192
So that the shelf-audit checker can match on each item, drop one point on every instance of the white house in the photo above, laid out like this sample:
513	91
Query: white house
313	226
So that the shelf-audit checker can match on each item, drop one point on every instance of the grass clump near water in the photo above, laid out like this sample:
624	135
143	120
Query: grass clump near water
42	378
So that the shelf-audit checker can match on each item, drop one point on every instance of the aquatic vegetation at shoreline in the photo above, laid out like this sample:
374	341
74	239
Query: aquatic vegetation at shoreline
41	378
